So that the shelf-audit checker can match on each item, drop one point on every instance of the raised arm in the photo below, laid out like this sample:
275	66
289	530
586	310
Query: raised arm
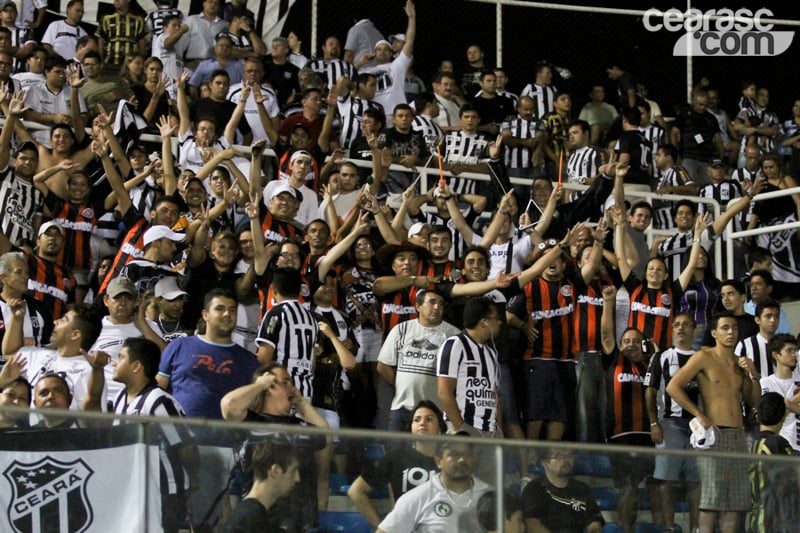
592	267
329	259
607	323
621	227
185	119
234	405
123	199
167	159
238	113
701	222
503	213
346	357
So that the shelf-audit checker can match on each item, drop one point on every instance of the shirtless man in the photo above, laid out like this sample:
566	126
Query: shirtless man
723	380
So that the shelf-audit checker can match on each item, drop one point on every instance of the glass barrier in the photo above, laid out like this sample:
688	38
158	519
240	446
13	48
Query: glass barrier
121	474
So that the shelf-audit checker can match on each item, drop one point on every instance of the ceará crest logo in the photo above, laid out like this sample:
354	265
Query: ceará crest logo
720	32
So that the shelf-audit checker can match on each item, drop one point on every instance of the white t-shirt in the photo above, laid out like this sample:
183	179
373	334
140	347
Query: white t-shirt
41	100
110	341
309	207
77	370
63	38
343	202
431	508
786	388
172	58
499	252
391	83
251	109
412	349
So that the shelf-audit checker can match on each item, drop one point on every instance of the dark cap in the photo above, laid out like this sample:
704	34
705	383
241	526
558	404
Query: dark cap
717	163
27	146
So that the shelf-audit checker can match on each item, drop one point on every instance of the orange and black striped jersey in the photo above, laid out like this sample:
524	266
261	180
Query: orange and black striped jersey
78	221
431	269
651	309
51	284
276	230
132	247
397	307
588	311
551	305
625	388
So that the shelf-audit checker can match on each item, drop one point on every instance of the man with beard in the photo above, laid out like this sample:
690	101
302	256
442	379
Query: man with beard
723	381
447	501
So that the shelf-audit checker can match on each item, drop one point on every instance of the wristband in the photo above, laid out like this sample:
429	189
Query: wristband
653	424
695	240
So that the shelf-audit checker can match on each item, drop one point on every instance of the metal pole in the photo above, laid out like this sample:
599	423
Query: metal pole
500	512
314	24
689	59
499	37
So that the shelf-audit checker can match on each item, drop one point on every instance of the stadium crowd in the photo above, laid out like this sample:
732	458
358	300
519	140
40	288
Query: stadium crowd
321	286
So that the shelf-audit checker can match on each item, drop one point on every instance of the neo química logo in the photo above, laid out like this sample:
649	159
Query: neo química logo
720	32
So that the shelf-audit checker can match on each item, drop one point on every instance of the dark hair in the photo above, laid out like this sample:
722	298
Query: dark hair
402	107
217	292
92	54
22	381
779	341
146	352
467	107
737	285
73	2
582	124
317	221
54	61
632	115
719	316
487	508
768	303
441	228
560	93
220	72
474	248
670	151
687	314
287	282
307	92
641	102
443	444
437	78
85	39
486	72
642	204
60	376
757	254
66	128
272	452
549	453
428	404
363	78
680	203
423	100
771	408
169	18
477	309
89	323
764	274
376	114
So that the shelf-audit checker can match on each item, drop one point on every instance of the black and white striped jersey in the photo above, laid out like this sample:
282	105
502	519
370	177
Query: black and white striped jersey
760	117
656	137
755	349
292	331
675	250
333	69
723	193
21	202
520	128
661	370
662	209
351	110
544	97
464	149
583	163
155	401
429	129
474	367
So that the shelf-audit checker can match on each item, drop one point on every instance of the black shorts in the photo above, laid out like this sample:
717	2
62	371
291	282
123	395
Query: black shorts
549	390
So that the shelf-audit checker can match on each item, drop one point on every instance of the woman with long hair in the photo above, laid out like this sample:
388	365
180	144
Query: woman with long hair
152	99
401	469
700	297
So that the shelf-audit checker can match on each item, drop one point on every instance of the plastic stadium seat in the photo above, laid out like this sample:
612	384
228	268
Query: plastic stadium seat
612	527
592	465
643	500
330	522
373	451
339	484
606	498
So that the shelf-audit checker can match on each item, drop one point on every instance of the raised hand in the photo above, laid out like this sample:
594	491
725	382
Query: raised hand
609	293
181	80
13	369
252	206
74	76
98	359
165	129
496	148
601	230
16	106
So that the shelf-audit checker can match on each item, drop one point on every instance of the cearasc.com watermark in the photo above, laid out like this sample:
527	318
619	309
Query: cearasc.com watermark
720	32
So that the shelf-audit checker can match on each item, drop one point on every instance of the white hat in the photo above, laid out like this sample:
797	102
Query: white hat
398	37
417	227
168	289
162	232
282	188
298	154
383	41
50	224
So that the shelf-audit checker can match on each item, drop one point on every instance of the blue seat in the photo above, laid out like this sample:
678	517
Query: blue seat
643	500
330	522
373	451
339	484
612	527
647	527
606	498
592	465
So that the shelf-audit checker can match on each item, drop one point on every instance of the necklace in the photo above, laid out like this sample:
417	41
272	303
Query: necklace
161	325
449	497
